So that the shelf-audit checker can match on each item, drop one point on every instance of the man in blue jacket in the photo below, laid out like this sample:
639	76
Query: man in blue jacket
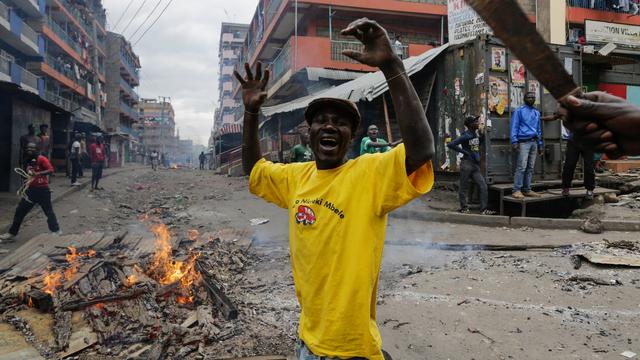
526	140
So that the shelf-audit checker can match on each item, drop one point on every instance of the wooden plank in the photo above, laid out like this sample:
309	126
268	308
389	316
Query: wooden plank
556	194
631	261
80	340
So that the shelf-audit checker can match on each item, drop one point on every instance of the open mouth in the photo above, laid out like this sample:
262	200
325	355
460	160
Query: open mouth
328	143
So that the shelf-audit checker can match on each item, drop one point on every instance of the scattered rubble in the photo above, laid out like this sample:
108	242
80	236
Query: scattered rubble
592	226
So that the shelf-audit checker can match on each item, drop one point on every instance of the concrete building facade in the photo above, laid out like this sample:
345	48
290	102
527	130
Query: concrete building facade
158	126
122	75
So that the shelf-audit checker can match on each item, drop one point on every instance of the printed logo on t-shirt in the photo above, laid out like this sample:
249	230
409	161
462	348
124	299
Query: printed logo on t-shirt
305	215
475	144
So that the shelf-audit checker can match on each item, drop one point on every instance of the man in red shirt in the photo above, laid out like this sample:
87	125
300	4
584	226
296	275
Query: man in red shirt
38	167
96	152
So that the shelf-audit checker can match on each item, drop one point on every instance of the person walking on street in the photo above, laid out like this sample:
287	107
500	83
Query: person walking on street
29	138
202	159
84	155
96	153
45	140
338	208
468	144
302	152
38	168
154	160
74	157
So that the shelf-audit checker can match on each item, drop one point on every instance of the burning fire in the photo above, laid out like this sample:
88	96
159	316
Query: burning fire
100	306
30	303
193	234
167	271
131	280
52	281
91	253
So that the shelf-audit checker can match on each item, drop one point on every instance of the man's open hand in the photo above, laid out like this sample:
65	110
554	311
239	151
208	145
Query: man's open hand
377	46
603	122
253	87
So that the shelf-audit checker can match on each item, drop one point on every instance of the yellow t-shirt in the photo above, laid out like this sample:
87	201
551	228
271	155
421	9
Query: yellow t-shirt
337	223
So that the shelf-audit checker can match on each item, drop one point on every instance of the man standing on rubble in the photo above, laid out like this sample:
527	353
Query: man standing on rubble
38	168
338	208
468	144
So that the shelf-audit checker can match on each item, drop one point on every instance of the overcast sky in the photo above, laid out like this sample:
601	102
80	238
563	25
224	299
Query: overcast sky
179	55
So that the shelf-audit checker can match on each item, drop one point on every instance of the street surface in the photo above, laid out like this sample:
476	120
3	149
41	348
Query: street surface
432	304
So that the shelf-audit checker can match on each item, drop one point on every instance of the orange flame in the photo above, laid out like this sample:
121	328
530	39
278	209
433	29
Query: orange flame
30	303
167	271
91	253
100	306
193	234
72	258
52	281
131	280
184	299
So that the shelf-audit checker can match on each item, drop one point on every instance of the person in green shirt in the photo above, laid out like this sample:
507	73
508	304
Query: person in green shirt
302	152
372	144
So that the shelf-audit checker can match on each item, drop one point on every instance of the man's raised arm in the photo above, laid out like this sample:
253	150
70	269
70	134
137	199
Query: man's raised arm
253	96
414	127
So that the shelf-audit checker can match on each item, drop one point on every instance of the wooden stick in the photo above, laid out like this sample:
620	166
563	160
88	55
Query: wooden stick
80	303
386	118
222	302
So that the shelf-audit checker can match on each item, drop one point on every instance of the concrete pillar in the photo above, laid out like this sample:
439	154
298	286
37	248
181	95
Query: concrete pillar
551	19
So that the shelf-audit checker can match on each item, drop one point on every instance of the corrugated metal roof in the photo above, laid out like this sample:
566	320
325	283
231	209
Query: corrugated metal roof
367	87
316	73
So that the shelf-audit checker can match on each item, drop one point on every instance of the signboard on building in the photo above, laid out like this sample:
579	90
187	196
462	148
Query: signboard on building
607	32
464	22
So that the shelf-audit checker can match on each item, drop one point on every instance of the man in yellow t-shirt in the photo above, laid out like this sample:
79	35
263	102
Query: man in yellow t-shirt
337	208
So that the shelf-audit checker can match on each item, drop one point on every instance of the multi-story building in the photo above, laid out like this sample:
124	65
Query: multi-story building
122	75
20	89
300	40
158	126
232	37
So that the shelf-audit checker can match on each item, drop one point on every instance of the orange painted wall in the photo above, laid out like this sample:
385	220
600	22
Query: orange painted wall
68	49
384	5
417	49
63	79
316	52
579	15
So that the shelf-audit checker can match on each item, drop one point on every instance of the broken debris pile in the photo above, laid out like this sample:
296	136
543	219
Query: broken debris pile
606	252
135	296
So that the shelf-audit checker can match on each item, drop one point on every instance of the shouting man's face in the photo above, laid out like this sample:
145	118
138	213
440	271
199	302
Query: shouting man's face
330	135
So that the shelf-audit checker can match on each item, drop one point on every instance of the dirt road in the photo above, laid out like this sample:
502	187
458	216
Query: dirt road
432	304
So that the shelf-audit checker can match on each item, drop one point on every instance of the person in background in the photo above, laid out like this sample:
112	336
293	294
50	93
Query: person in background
74	157
372	144
97	155
38	167
202	157
154	159
468	144
302	152
84	155
29	138
45	140
398	48
526	140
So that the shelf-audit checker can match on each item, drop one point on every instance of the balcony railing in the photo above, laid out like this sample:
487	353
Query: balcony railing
58	101
338	46
129	90
27	78
282	62
604	5
17	73
4	11
78	16
129	111
58	30
5	66
133	71
270	13
434	2
65	69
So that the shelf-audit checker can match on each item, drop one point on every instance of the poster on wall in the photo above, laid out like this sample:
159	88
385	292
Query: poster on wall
534	87
498	95
517	72
517	96
498	59
464	22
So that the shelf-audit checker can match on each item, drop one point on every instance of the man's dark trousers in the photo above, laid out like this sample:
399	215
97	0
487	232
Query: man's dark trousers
75	170
469	170
572	154
40	197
